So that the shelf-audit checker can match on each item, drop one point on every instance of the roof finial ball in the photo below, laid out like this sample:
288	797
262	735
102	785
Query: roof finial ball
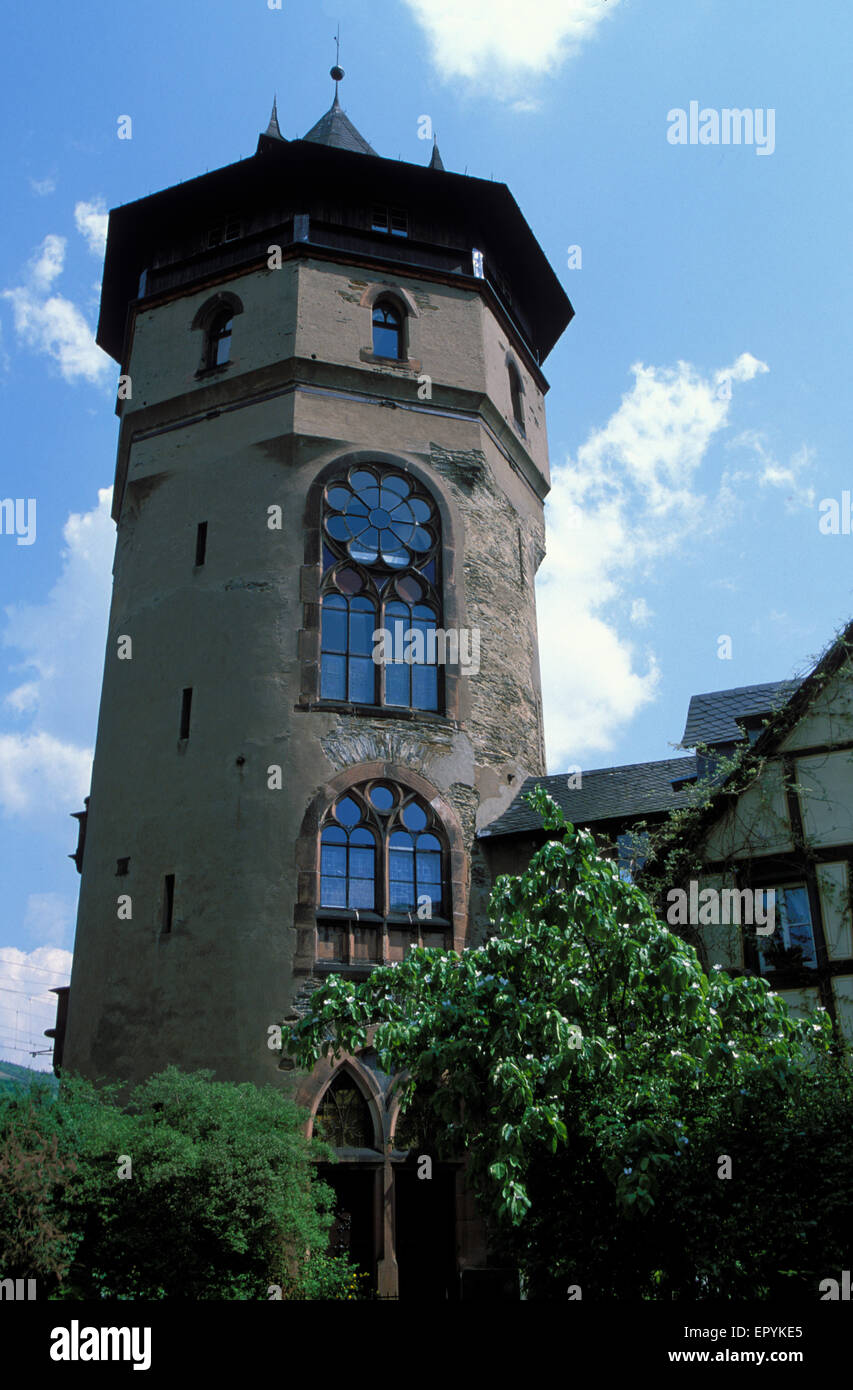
337	73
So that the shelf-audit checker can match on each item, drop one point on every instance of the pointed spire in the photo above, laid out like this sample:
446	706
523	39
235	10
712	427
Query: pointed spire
335	128
436	161
273	127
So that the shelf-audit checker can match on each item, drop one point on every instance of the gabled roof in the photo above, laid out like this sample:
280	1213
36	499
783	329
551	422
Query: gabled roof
337	130
606	793
781	722
712	718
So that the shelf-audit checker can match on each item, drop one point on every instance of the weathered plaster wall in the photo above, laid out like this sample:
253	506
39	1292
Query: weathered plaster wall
206	993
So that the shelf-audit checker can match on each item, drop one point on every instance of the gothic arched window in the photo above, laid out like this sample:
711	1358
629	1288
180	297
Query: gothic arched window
380	556
387	330
383	876
343	1116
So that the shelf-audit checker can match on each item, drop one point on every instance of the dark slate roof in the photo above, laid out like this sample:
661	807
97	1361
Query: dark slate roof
337	130
436	162
606	793
273	130
712	718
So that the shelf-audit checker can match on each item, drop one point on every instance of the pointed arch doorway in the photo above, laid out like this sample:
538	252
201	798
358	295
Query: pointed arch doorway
399	1228
346	1120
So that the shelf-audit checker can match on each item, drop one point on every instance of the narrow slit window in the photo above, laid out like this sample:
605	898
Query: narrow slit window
516	391
168	901
186	706
122	867
201	543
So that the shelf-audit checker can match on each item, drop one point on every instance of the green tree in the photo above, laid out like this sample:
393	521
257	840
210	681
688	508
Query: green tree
581	1057
189	1188
34	1244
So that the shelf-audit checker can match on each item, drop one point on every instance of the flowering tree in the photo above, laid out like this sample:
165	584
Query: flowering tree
590	1070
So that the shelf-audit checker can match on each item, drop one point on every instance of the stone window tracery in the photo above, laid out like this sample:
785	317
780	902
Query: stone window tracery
380	563
343	1115
383	876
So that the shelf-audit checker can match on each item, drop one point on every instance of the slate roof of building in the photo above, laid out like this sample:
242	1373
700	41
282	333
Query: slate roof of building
606	793
336	129
712	718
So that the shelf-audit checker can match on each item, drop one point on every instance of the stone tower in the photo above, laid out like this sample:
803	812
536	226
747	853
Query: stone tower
332	426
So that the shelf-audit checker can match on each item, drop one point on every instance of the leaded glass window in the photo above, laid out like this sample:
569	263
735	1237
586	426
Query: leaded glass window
380	557
343	1116
347	859
383	876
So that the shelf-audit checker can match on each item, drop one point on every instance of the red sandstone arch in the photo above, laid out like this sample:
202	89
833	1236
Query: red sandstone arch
308	852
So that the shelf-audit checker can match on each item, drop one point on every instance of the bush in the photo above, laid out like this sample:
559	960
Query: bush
192	1188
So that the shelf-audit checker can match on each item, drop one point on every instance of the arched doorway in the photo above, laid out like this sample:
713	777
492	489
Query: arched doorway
346	1121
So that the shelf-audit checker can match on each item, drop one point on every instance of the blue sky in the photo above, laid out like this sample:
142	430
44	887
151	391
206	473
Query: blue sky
700	402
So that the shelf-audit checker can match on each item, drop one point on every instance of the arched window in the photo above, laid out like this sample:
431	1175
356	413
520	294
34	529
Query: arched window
348	859
217	343
387	330
343	1116
516	391
215	320
380	556
383	877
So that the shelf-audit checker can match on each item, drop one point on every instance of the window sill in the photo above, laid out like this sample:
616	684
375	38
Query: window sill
401	364
204	373
366	917
378	711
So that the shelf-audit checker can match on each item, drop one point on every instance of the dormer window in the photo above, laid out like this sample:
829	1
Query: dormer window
394	221
387	330
229	232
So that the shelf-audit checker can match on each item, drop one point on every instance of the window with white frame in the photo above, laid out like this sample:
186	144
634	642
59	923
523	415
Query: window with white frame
791	943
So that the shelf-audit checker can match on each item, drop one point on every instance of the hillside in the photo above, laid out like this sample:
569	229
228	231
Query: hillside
13	1077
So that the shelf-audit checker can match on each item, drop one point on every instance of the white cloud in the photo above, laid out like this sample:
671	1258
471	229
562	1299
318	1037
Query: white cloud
23	698
42	187
641	613
91	220
629	498
498	41
48	263
39	772
788	477
49	916
51	324
27	1005
45	769
62	639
